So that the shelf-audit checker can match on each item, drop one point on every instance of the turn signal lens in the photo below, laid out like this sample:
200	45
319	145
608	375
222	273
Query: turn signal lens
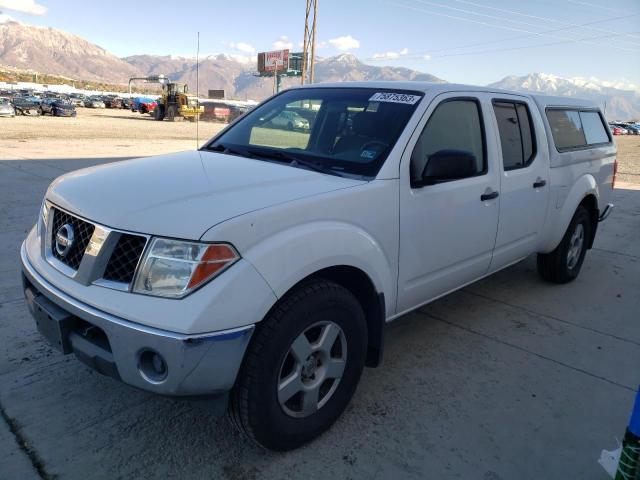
174	268
214	259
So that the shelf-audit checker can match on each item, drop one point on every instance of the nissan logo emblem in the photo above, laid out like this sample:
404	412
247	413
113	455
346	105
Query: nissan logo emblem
64	239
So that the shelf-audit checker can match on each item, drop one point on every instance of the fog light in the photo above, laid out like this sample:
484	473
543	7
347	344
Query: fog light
152	366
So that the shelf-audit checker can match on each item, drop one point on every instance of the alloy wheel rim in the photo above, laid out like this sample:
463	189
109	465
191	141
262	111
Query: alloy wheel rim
312	369
575	246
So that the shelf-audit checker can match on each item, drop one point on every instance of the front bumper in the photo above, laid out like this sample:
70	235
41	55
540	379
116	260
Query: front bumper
203	364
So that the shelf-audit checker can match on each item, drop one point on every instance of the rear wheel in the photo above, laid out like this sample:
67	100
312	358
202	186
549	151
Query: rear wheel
564	263
302	367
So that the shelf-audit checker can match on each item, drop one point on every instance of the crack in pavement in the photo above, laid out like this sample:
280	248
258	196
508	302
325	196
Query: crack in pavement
530	352
550	317
33	456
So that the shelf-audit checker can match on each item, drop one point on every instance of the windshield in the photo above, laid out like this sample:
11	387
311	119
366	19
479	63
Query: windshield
335	130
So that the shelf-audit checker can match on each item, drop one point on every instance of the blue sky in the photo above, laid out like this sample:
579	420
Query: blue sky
467	41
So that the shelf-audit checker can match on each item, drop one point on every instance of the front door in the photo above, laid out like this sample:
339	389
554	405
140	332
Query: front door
447	229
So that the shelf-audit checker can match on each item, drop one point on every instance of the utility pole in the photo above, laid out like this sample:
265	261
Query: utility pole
309	42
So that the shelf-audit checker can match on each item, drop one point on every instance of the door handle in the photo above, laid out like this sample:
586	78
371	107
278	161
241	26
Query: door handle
539	183
489	196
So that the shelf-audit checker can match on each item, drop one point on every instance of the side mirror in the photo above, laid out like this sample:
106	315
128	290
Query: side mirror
446	165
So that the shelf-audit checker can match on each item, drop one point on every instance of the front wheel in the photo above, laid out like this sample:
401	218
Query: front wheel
302	367
564	263
158	113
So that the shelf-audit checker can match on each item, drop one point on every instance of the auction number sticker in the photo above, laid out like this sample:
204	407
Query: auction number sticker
394	98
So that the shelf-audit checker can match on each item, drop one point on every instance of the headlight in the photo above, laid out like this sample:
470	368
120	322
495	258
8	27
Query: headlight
174	268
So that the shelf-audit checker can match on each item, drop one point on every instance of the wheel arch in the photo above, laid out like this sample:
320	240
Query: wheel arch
362	287
584	192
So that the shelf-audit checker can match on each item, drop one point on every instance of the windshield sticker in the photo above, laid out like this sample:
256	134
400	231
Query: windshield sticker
369	154
394	98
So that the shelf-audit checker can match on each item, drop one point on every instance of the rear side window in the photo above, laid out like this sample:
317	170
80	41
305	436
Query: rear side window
516	137
576	129
454	125
566	128
594	130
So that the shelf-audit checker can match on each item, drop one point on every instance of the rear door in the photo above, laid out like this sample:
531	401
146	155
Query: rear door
447	231
524	178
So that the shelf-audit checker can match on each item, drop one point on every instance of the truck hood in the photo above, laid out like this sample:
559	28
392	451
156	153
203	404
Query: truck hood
184	194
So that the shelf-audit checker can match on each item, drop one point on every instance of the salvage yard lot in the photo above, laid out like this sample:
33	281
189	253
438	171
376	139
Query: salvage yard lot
507	378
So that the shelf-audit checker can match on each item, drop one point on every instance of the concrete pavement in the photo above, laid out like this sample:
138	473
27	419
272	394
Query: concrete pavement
508	378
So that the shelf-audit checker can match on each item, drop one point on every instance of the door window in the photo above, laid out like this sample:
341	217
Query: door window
455	125
516	135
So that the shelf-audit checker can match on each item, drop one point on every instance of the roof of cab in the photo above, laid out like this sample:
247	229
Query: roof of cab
543	101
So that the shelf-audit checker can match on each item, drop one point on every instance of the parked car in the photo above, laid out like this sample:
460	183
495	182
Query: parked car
615	130
6	108
57	108
94	102
143	105
290	120
77	99
631	129
126	103
266	264
27	105
113	102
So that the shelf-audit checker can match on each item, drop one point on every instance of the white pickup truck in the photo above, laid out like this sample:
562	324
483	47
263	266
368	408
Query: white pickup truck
261	269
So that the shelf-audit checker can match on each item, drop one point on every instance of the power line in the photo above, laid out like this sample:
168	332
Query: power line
547	19
506	49
503	27
502	19
519	37
596	6
562	42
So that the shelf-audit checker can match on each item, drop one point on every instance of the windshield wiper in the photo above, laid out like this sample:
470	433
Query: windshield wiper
293	160
230	151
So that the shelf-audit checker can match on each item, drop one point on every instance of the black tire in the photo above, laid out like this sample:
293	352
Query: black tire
254	406
158	113
557	267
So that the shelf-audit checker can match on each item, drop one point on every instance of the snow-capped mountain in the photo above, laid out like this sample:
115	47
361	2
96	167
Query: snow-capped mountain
620	100
50	51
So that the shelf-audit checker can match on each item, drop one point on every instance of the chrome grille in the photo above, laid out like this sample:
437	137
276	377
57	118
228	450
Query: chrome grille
82	234
124	259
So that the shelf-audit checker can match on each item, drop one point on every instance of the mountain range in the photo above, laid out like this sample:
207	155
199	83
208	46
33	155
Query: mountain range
51	51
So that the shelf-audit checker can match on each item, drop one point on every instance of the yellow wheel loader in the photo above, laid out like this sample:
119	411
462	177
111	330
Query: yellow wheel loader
177	103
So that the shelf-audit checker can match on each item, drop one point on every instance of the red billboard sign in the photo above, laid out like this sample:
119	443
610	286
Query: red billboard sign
274	60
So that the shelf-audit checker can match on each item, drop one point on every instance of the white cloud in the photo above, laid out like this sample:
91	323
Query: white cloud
242	58
241	46
390	55
283	43
24	6
426	57
5	18
344	43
